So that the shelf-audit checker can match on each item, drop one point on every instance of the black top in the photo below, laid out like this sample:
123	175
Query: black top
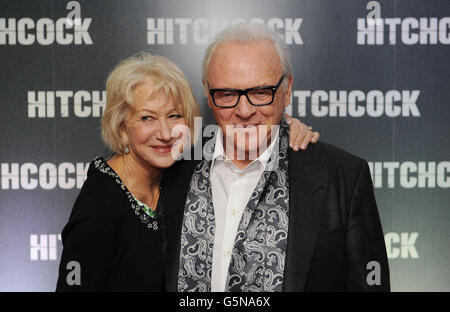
117	245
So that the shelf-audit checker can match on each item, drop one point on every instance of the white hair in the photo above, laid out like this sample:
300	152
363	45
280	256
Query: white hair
247	33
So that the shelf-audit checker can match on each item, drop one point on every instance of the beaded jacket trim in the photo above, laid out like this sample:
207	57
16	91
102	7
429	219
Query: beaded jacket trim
101	165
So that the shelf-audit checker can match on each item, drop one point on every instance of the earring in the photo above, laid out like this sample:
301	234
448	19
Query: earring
127	150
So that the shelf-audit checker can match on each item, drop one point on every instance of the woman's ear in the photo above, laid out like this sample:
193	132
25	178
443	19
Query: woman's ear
123	133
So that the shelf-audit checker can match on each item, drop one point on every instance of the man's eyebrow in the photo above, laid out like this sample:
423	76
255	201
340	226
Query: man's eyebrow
265	84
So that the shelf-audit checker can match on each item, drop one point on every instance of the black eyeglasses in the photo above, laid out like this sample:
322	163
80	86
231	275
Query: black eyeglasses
257	96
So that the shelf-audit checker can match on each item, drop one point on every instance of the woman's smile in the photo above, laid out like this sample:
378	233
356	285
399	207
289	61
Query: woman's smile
162	148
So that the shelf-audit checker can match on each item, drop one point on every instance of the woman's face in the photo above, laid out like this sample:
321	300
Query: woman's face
149	127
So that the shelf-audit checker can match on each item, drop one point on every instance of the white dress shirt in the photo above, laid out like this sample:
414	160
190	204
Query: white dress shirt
231	190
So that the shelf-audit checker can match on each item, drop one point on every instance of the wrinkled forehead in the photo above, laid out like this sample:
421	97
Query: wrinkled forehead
153	96
254	63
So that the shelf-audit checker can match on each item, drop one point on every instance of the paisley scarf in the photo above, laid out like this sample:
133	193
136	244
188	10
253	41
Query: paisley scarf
258	256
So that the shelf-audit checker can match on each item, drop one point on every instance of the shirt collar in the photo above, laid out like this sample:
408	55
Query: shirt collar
264	159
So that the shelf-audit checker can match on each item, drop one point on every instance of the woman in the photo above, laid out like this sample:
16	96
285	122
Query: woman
113	240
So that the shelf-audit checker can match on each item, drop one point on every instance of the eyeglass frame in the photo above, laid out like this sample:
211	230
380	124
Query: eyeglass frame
244	92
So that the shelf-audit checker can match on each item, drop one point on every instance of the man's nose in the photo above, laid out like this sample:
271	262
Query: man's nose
244	108
165	132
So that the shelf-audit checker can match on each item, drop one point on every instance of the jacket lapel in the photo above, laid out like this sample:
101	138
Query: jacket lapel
308	174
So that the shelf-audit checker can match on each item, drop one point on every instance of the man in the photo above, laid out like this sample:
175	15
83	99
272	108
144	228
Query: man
280	221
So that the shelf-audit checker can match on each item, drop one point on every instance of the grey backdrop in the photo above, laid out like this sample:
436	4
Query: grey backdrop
45	147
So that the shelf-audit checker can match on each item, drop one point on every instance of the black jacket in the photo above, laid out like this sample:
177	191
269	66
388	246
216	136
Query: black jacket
334	226
116	251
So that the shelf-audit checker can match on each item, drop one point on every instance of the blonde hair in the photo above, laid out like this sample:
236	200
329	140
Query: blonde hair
143	67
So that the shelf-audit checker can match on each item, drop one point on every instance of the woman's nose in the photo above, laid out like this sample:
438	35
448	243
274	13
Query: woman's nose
165	132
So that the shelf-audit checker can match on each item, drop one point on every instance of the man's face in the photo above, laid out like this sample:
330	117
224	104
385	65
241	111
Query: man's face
242	66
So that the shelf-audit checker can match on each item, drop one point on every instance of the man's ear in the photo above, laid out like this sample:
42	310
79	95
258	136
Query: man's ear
206	92
288	93
289	90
